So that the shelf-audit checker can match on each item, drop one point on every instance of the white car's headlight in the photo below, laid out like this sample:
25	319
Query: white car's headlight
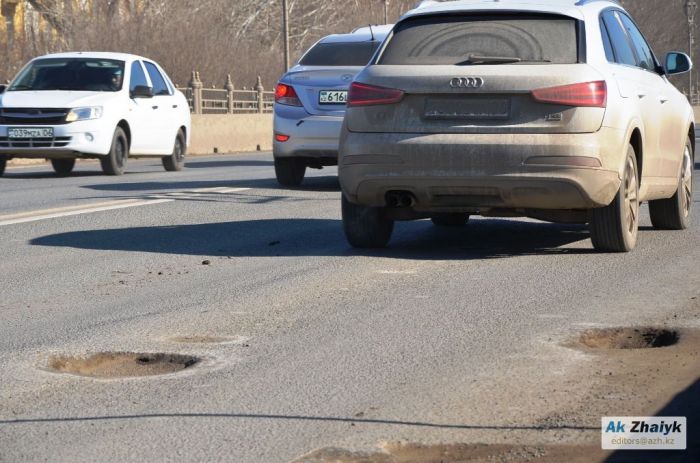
84	114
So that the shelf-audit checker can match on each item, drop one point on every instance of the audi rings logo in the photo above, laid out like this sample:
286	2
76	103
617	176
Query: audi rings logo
467	82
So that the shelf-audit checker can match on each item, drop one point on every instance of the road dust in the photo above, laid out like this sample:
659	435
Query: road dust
122	364
629	338
396	452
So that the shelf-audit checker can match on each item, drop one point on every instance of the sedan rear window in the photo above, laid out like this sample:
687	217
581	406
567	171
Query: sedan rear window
495	39
340	54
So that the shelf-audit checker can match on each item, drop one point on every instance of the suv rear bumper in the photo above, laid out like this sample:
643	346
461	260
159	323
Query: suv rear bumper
483	171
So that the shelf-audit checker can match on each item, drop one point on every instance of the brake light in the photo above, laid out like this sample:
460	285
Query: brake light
592	94
286	95
368	95
281	138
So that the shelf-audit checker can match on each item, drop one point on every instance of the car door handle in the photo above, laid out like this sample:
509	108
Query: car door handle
174	106
154	107
663	99
641	93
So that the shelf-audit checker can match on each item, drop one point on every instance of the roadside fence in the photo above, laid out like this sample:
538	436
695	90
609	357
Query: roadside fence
227	100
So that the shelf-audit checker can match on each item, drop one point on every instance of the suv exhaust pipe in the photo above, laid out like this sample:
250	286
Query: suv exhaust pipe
400	199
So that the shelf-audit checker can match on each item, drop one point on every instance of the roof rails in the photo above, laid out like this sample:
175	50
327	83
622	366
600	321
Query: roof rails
424	3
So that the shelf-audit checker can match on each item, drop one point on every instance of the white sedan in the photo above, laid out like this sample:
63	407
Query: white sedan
108	106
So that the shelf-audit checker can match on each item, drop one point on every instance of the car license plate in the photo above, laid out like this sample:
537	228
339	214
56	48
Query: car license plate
30	132
467	109
333	97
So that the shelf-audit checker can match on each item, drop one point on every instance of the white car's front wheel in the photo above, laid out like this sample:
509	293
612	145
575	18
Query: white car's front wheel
115	162
176	161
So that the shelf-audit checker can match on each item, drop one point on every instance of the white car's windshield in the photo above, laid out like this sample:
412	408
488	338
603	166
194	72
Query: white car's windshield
78	74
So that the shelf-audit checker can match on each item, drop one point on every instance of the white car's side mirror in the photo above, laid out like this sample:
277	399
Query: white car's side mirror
678	63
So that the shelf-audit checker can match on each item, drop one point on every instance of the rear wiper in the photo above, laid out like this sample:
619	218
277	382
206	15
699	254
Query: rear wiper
474	59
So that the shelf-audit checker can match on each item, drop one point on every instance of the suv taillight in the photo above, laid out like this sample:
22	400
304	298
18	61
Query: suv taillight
591	94
286	95
368	95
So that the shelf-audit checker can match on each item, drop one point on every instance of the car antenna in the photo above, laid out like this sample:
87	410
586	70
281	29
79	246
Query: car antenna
371	32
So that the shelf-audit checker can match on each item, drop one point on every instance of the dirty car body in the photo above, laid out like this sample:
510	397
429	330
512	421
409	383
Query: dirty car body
517	108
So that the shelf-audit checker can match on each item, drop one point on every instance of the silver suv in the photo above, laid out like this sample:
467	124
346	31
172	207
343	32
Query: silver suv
556	110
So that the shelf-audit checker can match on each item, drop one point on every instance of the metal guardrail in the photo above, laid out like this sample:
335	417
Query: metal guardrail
227	100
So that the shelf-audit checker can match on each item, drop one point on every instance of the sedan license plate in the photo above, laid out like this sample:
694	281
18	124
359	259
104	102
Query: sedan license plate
30	132
333	97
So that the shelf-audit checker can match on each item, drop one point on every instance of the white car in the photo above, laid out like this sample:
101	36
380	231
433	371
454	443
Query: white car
108	106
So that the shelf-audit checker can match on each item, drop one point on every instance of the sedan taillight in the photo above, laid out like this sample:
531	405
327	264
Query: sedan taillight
286	95
369	95
591	94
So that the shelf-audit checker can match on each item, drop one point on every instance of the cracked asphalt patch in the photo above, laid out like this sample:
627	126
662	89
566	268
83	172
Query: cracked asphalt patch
397	452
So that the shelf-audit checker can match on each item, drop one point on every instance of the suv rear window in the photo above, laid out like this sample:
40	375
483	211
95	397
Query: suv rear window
454	39
340	54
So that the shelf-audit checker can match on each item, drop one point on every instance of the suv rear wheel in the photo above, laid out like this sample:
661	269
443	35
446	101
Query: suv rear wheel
176	161
674	213
3	164
366	227
615	227
290	171
63	167
115	162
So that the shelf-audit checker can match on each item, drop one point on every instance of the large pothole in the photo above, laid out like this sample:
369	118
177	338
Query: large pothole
629	338
123	364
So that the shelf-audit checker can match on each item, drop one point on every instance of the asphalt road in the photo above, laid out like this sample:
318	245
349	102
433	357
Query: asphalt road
447	336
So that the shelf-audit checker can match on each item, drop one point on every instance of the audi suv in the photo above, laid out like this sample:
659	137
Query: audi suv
558	111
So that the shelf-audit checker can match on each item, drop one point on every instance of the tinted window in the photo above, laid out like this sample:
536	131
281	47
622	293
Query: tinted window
159	85
137	76
454	39
340	54
79	74
609	53
619	39
644	53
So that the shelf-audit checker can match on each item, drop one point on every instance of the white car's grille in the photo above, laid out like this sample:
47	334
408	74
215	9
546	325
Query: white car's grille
57	142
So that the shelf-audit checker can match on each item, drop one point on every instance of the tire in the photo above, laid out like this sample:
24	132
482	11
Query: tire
176	161
366	227
674	213
614	228
63	167
289	171
3	164
115	162
450	220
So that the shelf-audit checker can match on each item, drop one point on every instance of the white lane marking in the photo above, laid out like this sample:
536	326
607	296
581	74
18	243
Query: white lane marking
34	216
87	209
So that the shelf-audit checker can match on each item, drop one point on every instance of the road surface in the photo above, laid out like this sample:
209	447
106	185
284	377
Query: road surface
457	336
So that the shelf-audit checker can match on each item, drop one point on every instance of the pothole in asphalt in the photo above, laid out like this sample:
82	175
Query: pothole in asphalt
123	364
195	339
629	338
462	453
